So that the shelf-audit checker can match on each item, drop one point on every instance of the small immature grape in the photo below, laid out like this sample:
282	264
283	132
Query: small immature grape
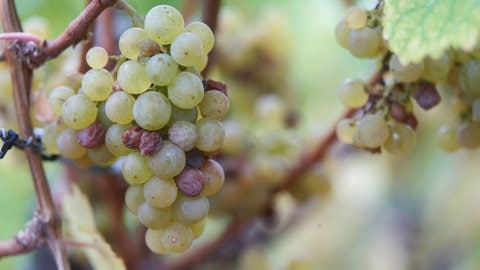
436	70
447	138
161	69
356	17
68	145
189	210
183	134
406	72
135	169
168	162
457	105
79	112
153	217
97	84
152	110
401	140
58	96
202	31
353	93
113	140
129	40
198	228
154	243
187	49
363	43
372	131
186	90
345	131
215	177
163	23
176	237
211	134
134	198
160	192
119	107
468	134
97	57
342	33
132	77
214	105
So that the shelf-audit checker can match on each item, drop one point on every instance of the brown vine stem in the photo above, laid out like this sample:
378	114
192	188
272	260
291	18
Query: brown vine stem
210	11
49	224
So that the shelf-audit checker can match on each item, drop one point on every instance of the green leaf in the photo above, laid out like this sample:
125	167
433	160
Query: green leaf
417	28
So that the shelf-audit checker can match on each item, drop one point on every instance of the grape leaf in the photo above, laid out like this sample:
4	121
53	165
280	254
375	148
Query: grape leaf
417	28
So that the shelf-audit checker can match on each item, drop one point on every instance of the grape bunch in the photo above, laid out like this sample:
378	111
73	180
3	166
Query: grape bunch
385	116
156	115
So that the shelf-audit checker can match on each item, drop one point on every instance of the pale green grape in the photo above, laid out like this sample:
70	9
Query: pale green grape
79	112
356	17
187	49
183	134
153	217
372	131
342	34
97	57
353	93
49	138
447	138
345	131
154	243
401	140
97	84
168	162
119	107
436	70
363	43
113	140
211	134
163	23
186	90
152	110
406	72
457	105
201	63
160	192
469	78
214	105
129	40
101	156
215	177
135	168
68	146
134	198
161	69
189	210
102	115
468	134
203	32
178	114
58	96
176	237
198	228
132	78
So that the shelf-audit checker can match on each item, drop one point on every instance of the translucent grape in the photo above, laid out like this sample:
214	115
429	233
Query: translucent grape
68	145
342	34
345	131
447	138
134	198
406	73
211	134
372	131
353	93
49	138
189	210
79	112
215	177
186	91
113	140
168	162
58	96
187	49
135	169
356	17
201	63
132	78
152	110
203	32
163	23
214	105
401	140
468	134
154	243
154	218
198	228
363	43
101	156
161	69
97	57
128	42
97	84
183	134
176	237
119	106
436	70
160	192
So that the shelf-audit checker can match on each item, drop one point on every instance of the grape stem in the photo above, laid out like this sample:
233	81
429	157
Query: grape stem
137	20
210	11
48	227
21	36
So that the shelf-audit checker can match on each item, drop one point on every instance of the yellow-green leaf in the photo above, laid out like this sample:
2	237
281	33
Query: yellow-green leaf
417	28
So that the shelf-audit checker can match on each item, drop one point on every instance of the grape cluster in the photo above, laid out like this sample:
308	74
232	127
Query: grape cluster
386	108
155	112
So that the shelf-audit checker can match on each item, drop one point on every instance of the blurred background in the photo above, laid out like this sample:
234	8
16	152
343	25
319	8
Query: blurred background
378	212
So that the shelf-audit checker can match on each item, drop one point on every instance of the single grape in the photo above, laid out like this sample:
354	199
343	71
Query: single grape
160	192
178	114
342	33
163	23
405	72
211	134
161	69
436	70
271	109
49	138
135	168
469	78
204	33
134	198
190	181
58	96
97	57
168	162
154	243
102	115
356	17
187	49
153	217
101	156
79	112
215	177
345	131
132	77
363	43
372	131
186	90
97	84
200	64
198	228
447	138
114	140
468	134
176	237
214	105
236	138
152	110
189	210
68	145
183	134
401	139
119	107
129	40
353	93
